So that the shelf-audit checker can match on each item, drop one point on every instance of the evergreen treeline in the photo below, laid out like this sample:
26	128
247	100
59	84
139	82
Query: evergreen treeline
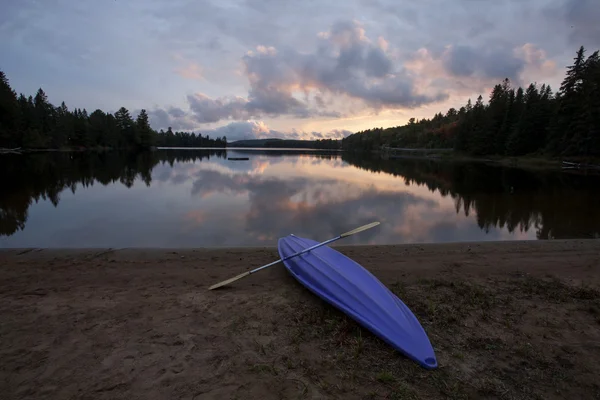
327	144
514	122
34	123
187	139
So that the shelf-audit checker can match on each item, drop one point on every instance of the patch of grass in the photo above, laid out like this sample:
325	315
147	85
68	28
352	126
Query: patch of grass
555	290
289	363
403	392
446	303
485	334
385	377
449	385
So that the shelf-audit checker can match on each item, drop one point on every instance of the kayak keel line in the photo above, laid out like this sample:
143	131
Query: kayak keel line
349	287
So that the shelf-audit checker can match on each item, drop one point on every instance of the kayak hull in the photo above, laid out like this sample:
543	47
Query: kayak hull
348	286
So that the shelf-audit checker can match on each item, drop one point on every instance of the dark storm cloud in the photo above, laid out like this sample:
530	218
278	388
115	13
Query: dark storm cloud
466	61
345	63
173	117
581	19
206	110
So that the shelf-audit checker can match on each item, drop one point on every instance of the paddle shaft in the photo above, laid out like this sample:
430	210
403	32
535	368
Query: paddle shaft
297	254
343	235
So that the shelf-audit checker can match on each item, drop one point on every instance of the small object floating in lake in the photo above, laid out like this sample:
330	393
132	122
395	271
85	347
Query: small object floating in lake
238	158
348	286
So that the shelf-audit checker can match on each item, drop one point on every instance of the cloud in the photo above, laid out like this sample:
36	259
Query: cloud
350	68
345	63
244	130
468	70
327	206
579	18
191	71
290	83
495	63
173	117
206	110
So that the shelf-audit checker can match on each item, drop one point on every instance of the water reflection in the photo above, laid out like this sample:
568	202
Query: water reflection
557	205
182	198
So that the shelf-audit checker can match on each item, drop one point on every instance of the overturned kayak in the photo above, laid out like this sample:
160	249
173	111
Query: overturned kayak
348	286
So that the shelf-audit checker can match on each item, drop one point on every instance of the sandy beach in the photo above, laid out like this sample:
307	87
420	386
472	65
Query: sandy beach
508	320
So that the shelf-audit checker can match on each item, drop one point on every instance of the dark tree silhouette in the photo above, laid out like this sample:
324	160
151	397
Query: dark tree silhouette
34	123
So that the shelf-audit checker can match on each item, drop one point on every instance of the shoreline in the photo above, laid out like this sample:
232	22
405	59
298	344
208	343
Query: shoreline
508	319
534	163
338	245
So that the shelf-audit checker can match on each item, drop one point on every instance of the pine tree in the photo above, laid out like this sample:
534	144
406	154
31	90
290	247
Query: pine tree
507	122
127	134
496	113
44	114
574	77
566	123
479	141
512	142
97	128
592	103
144	130
464	129
80	137
64	126
9	114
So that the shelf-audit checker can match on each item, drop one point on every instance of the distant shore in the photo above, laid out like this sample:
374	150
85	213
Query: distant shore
528	162
140	323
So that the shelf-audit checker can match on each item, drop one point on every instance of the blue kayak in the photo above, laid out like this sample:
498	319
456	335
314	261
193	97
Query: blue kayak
346	285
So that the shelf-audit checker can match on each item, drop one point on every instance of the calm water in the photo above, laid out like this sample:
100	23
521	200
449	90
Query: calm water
199	198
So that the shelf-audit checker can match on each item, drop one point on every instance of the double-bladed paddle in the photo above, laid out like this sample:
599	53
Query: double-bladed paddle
343	235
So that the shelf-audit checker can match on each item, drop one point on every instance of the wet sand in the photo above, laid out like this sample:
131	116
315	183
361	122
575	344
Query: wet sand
507	320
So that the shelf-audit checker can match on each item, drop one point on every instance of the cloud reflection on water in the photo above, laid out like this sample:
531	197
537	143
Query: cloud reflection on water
193	198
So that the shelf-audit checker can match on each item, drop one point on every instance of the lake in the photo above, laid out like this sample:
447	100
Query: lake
199	198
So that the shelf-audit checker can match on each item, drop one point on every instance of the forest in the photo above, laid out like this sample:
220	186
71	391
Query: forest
514	122
35	123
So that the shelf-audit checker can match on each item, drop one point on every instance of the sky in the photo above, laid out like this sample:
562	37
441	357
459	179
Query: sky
281	68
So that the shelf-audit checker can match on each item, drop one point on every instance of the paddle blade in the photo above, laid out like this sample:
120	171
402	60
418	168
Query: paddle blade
228	281
360	229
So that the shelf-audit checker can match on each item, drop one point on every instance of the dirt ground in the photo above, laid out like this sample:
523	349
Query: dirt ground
507	320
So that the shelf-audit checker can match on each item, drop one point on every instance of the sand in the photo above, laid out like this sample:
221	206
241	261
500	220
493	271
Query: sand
507	320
